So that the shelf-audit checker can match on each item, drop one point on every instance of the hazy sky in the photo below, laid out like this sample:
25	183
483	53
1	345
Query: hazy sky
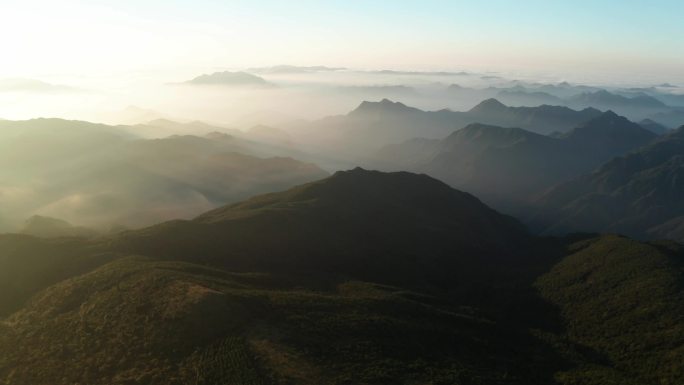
101	37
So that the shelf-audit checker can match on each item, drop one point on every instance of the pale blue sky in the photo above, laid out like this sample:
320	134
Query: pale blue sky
580	35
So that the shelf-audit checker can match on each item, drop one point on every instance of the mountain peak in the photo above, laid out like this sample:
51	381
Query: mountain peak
653	126
610	114
591	110
489	105
383	106
609	119
612	128
403	212
488	134
605	98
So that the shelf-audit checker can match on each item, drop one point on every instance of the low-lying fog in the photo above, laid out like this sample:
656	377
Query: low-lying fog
176	145
291	94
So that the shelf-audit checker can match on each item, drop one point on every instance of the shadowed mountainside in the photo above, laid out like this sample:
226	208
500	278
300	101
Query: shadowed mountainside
512	166
373	125
638	194
413	281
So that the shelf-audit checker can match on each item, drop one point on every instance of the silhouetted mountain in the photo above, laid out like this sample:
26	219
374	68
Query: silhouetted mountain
406	216
47	227
544	119
635	106
605	99
610	135
657	92
528	98
521	93
382	109
676	100
227	78
373	125
673	117
654	126
633	194
508	165
489	106
563	90
634	103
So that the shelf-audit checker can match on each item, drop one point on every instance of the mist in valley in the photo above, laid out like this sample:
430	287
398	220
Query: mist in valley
126	154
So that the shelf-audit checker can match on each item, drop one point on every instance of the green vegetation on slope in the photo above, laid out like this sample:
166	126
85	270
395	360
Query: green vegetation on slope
360	278
624	300
141	321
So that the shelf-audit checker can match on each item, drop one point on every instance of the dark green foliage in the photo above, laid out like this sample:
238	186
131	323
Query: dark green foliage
356	222
227	362
625	301
361	278
29	264
140	321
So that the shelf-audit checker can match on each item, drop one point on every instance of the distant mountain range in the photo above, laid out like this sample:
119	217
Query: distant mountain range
637	104
603	99
413	281
47	227
654	127
98	175
638	194
373	125
505	165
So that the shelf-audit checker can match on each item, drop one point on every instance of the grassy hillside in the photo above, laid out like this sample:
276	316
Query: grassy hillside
138	321
360	278
623	300
29	264
356	222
